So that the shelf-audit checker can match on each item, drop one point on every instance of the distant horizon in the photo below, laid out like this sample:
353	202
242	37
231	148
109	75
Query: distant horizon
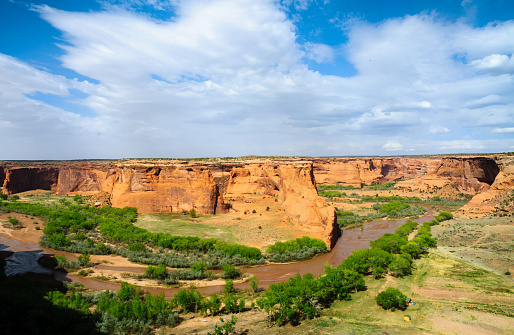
248	156
215	78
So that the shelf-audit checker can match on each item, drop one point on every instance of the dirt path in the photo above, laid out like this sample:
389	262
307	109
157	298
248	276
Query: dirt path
389	279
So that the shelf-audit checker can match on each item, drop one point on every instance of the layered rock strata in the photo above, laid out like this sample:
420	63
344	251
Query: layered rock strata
469	175
150	189
295	189
354	171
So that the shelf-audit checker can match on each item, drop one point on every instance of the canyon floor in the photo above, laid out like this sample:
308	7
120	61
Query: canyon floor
465	286
459	288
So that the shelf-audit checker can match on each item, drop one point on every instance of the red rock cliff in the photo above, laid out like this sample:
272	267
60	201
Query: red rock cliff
354	171
295	188
21	179
466	174
150	189
497	198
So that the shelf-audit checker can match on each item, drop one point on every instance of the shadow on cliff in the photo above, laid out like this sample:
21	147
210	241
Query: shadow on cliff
26	311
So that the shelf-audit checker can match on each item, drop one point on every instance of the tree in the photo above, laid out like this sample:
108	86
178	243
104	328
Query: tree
229	286
412	249
230	271
391	298
254	283
389	242
84	259
400	267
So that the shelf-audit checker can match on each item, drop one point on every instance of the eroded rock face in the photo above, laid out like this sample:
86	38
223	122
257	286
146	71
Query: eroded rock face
295	188
21	179
150	189
498	197
167	189
354	171
85	181
470	175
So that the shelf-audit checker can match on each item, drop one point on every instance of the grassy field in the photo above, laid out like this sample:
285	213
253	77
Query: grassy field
183	225
487	242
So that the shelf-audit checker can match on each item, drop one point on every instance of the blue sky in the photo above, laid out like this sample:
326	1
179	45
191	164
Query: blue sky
195	78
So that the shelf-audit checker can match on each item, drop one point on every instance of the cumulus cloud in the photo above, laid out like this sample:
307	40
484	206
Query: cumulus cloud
495	63
226	77
507	130
392	146
320	53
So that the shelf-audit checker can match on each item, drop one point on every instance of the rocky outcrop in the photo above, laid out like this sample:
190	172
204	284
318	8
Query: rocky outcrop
470	175
150	189
166	189
2	175
21	179
83	180
499	197
354	171
295	189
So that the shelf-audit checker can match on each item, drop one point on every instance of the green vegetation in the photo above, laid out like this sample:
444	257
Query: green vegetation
226	327
128	311
335	187
303	297
395	209
67	220
298	249
391	298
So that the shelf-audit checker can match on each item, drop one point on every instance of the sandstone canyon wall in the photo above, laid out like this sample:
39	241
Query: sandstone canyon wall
469	175
163	189
499	197
295	188
354	171
21	179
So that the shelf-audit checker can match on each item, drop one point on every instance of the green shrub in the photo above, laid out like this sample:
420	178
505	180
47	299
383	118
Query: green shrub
14	221
137	247
254	283
189	299
230	271
391	298
156	272
226	327
229	286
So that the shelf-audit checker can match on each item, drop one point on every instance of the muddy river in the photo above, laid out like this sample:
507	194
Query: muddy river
352	239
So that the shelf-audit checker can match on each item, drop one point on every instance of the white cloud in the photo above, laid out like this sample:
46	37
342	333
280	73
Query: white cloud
495	63
439	130
463	145
425	104
392	146
225	78
320	53
503	130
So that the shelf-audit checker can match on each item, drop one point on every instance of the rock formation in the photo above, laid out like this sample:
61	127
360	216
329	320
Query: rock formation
21	179
499	197
150	189
469	175
295	188
354	171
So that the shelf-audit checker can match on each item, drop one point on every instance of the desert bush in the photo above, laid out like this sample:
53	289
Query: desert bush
391	298
254	283
230	272
189	299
